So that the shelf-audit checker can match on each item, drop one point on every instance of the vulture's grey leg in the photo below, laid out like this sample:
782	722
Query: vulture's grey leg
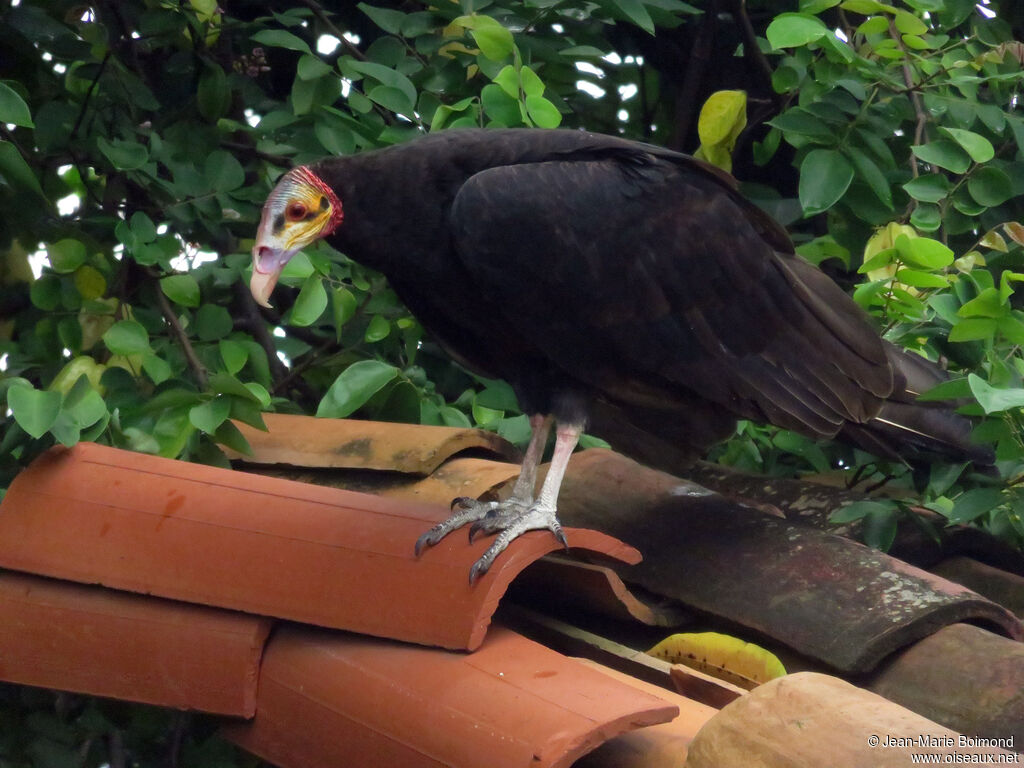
519	513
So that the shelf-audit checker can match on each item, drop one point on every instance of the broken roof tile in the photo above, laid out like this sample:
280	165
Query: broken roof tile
306	441
88	639
816	721
258	544
823	595
328	699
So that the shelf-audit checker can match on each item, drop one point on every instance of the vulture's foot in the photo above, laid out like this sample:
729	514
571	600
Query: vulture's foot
509	519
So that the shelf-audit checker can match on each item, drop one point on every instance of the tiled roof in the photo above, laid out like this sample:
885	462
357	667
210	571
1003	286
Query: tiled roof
198	564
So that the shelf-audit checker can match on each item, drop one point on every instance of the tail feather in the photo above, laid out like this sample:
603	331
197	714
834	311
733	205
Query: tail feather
906	429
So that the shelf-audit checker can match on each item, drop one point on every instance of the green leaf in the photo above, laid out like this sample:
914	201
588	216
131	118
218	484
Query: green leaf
990	186
543	113
385	18
354	387
127	337
635	11
158	369
792	30
311	301
213	322
90	282
181	289
208	416
944	154
228	434
35	411
908	23
924	252
508	79
871	174
972	504
311	68
233	354
392	99
16	171
920	279
66	255
386	76
817	6
929	188
880	528
279	38
13	108
858	510
993	399
142	228
532	84
123	155
977	146
499	106
825	175
379	328
988	303
343	307
495	42
223	172
45	292
213	95
862	6
926	217
972	329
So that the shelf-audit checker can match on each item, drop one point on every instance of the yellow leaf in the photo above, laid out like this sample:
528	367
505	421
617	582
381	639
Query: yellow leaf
90	282
885	238
82	365
994	241
722	656
722	118
1015	231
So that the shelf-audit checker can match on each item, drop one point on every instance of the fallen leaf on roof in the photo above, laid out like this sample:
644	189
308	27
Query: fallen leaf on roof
723	656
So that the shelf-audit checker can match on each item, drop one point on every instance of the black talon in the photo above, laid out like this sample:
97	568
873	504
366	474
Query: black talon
423	542
460	501
474	529
560	535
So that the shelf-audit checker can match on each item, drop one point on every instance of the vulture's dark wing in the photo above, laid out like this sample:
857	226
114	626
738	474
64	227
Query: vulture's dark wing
646	276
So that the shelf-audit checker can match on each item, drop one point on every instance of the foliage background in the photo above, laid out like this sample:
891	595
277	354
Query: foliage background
138	140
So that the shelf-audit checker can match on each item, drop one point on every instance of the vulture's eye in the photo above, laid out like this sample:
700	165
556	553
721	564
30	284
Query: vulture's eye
296	211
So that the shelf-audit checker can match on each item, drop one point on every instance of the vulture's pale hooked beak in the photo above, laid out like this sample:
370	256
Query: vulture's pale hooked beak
268	262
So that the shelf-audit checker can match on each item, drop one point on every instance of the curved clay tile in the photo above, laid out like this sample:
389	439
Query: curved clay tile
330	699
88	639
306	441
823	595
259	544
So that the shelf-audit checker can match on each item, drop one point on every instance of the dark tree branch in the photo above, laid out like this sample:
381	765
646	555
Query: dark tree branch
752	50
198	369
687	95
253	322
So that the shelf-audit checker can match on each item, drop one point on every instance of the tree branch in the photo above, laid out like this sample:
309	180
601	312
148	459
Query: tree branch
198	369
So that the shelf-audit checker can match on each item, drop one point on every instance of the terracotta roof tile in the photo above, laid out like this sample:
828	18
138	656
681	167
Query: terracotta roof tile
331	699
257	544
816	721
102	642
823	595
997	585
306	441
962	676
656	746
